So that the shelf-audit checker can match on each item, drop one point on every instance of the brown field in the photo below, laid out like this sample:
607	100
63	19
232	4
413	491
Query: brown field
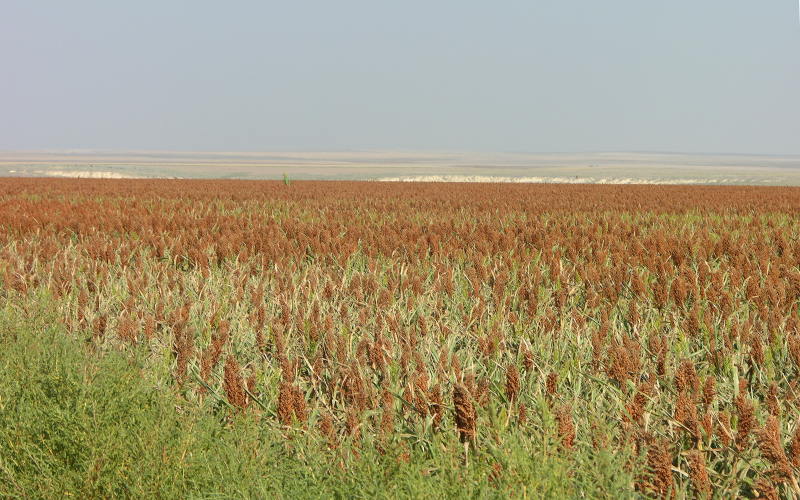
653	327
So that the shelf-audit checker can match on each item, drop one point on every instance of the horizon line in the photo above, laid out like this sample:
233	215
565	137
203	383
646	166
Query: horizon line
68	151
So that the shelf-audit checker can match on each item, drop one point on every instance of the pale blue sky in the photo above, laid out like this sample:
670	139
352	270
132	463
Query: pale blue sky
534	76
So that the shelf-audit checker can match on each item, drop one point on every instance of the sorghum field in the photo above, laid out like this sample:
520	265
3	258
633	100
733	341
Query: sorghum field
245	338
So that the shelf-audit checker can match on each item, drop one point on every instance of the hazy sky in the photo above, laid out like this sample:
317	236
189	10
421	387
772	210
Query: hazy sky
534	76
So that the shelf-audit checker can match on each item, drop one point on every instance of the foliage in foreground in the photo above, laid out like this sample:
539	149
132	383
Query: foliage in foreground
77	423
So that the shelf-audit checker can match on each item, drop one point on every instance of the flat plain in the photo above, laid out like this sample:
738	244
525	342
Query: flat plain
609	167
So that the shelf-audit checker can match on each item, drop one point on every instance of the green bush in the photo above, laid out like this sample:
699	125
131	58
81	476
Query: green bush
79	423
